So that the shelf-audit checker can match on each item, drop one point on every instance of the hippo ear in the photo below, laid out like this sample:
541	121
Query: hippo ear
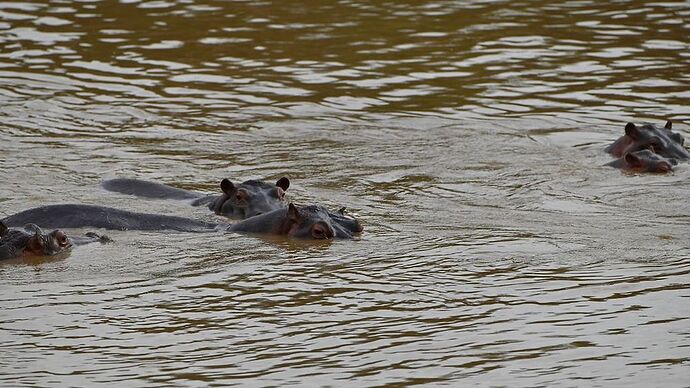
631	130
668	125
293	213
227	186
632	159
3	229
283	183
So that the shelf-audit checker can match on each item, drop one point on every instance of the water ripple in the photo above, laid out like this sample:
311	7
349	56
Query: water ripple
468	136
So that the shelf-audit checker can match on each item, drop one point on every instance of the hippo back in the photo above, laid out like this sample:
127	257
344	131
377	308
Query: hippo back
79	216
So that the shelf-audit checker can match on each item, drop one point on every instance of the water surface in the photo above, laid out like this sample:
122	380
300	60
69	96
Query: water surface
468	137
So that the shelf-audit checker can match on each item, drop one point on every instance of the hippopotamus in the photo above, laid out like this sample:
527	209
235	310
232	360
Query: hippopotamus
661	141
313	221
31	240
240	201
644	161
80	216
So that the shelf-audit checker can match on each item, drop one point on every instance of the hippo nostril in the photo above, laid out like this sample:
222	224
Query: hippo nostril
60	238
665	167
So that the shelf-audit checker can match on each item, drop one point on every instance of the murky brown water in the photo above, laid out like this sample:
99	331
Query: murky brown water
468	136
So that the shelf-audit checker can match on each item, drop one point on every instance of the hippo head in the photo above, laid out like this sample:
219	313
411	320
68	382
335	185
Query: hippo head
250	198
661	141
313	222
31	241
645	161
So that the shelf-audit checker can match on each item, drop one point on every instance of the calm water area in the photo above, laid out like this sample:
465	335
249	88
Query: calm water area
467	136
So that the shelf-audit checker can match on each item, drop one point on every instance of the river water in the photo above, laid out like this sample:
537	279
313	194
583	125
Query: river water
468	136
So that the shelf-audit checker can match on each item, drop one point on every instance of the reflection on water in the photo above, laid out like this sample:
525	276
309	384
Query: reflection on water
468	136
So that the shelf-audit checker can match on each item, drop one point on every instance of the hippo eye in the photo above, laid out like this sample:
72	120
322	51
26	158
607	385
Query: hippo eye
678	138
320	232
655	145
241	196
33	228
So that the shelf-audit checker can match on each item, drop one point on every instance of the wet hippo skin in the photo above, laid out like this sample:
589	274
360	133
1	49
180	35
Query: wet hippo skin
298	222
644	161
661	141
313	222
31	240
79	216
242	200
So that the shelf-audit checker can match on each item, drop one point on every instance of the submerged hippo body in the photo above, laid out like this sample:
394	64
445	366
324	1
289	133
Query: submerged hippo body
306	222
661	141
644	161
79	216
32	241
242	200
